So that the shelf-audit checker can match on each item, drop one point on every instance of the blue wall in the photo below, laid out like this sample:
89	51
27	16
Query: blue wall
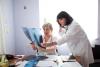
26	14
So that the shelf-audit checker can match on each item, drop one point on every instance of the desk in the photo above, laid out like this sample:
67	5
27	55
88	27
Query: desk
55	61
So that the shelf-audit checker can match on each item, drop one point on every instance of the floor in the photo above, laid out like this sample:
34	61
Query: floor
97	64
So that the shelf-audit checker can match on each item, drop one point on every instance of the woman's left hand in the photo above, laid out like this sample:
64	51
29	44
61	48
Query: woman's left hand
78	59
33	46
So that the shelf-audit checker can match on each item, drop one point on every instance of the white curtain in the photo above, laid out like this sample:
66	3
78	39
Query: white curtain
2	32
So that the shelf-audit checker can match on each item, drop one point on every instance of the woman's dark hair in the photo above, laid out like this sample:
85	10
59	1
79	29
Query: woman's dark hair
65	15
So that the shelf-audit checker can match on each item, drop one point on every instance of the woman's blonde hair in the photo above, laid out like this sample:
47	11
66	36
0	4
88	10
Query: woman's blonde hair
47	25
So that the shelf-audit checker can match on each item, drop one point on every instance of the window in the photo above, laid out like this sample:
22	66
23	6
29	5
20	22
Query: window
85	12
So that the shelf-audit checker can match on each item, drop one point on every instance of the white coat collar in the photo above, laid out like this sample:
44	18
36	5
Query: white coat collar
67	26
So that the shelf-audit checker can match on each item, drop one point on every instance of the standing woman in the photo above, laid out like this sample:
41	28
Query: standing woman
75	38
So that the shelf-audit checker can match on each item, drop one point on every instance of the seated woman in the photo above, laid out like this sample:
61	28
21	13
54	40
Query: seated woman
47	37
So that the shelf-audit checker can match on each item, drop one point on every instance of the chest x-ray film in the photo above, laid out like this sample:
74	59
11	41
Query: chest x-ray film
33	34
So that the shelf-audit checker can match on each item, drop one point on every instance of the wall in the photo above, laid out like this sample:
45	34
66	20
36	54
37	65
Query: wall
99	18
26	14
98	39
7	20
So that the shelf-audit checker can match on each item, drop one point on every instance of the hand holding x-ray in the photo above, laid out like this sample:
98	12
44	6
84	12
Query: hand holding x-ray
34	35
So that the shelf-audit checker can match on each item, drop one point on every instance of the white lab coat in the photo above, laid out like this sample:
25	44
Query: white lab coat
65	50
78	43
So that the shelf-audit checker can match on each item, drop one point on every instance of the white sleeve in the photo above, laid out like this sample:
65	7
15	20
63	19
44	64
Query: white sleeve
71	33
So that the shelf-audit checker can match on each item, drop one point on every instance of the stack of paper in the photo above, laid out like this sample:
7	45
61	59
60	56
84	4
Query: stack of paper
46	64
